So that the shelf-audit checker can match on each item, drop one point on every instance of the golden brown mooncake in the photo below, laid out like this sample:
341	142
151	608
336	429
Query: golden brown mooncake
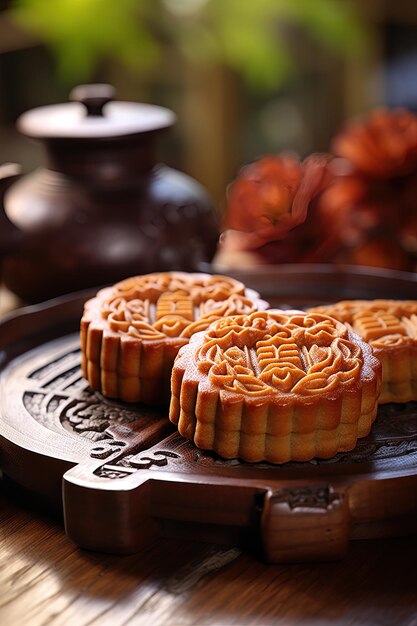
275	386
131	332
390	327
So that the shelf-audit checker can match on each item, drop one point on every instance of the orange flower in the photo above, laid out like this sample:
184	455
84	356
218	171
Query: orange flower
373	195
271	196
383	146
358	206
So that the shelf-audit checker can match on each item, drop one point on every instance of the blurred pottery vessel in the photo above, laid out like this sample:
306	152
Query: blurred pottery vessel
103	207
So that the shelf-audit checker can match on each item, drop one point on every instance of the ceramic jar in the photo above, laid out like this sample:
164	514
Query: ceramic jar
102	207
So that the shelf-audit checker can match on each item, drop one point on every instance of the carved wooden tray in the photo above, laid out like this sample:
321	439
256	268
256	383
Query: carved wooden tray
124	476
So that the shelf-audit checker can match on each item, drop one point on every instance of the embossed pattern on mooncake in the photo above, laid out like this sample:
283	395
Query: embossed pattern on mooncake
275	386
131	332
390	327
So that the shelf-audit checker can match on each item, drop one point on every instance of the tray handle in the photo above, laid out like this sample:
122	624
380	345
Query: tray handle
116	509
302	524
102	515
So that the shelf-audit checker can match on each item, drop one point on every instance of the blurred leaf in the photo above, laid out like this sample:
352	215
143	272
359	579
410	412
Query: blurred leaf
333	23
249	42
84	32
248	36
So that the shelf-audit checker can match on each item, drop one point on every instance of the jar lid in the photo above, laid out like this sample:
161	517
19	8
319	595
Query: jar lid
93	114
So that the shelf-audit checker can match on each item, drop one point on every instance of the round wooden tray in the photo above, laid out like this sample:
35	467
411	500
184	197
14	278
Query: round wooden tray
124	476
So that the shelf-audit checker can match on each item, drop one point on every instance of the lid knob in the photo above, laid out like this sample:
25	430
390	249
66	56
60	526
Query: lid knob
93	97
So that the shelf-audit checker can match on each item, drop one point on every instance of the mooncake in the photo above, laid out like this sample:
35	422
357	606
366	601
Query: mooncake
390	327
275	386
131	332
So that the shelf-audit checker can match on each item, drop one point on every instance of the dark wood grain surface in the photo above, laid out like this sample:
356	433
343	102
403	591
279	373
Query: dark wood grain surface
46	580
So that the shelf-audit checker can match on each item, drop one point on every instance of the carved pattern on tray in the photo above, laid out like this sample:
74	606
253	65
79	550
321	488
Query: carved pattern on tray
130	463
320	497
110	471
63	399
59	398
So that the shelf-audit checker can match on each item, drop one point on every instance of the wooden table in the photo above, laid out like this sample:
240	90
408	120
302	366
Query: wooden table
47	580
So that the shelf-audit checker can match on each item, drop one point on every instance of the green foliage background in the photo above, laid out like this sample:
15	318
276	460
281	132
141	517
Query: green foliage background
249	36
